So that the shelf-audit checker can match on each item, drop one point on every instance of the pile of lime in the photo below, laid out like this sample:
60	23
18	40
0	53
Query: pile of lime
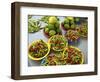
69	23
52	27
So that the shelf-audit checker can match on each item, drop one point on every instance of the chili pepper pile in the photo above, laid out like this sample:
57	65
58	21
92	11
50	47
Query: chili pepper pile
74	55
72	35
38	49
58	43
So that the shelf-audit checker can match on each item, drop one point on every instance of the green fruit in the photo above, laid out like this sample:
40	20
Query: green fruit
66	26
58	31
66	21
73	26
52	32
72	22
57	25
46	30
52	20
70	18
50	26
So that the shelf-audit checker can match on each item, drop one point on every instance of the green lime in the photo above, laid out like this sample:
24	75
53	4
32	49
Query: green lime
58	31
57	25
50	26
72	26
46	30
66	26
66	21
52	20
70	18
72	22
52	32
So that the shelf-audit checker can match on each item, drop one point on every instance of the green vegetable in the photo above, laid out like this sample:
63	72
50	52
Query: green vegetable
52	32
33	26
45	19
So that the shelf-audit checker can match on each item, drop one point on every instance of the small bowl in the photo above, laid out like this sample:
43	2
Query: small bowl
33	58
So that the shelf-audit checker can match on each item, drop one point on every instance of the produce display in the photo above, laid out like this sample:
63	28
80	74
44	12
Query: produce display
52	40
